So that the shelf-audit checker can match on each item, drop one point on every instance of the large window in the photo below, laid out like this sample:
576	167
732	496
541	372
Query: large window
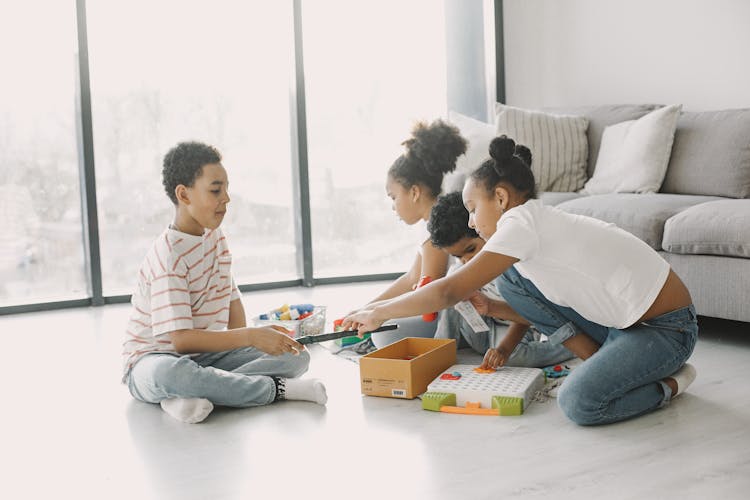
94	93
368	79
217	72
41	241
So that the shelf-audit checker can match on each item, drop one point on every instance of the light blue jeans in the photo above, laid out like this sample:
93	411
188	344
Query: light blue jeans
623	379
240	378
530	352
413	326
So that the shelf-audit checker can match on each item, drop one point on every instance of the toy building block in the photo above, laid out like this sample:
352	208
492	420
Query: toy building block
507	391
433	401
484	370
471	408
508	405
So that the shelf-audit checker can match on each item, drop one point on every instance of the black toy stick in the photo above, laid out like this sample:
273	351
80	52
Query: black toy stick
310	339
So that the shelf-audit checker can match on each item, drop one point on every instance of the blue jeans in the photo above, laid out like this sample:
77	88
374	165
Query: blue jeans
530	352
240	378
413	326
623	379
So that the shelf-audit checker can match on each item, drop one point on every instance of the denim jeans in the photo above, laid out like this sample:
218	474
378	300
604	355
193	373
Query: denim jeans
413	326
240	378
623	379
530	352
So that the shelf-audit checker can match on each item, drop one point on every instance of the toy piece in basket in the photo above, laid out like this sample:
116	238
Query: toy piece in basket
301	319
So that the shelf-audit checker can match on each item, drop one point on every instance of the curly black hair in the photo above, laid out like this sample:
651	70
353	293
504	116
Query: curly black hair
509	163
449	221
183	164
431	152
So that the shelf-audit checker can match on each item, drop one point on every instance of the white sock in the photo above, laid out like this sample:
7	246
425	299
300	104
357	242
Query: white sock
188	410
305	389
684	377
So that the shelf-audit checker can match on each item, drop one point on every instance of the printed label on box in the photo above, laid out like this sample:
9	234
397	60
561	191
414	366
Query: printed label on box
385	386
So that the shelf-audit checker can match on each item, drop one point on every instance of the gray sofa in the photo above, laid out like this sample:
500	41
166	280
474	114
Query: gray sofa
700	220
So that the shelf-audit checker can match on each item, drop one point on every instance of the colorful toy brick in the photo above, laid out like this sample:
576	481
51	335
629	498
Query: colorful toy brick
508	405
428	316
506	391
434	401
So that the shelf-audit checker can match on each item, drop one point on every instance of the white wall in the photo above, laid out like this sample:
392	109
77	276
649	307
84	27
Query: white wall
587	52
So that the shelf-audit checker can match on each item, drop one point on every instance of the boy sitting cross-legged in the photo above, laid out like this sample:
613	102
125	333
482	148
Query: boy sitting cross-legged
449	230
187	344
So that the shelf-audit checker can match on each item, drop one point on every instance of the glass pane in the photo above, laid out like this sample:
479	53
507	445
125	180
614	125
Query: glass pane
41	242
217	72
367	81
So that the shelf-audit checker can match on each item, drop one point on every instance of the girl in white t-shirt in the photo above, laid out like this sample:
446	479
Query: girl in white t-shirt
586	284
413	183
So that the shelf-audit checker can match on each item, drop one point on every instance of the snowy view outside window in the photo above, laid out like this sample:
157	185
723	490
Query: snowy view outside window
219	72
216	72
41	242
368	80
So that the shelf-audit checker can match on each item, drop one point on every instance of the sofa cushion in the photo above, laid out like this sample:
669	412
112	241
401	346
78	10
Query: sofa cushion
711	154
600	117
558	145
478	134
713	228
557	197
643	215
634	154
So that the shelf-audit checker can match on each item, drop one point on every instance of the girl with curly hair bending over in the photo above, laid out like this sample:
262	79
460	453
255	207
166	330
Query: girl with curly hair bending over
586	284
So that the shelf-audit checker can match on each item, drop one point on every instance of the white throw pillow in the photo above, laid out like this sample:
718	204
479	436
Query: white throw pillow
558	144
478	135
634	154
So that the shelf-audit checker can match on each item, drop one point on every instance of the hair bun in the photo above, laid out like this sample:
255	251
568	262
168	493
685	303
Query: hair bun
436	146
502	148
524	154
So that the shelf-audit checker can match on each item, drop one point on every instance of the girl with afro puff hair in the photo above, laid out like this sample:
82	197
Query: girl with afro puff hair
413	183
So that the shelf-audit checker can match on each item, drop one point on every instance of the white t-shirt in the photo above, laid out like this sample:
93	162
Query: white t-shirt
185	282
423	236
604	273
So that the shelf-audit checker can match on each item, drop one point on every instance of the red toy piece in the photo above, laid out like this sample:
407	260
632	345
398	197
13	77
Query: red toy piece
429	316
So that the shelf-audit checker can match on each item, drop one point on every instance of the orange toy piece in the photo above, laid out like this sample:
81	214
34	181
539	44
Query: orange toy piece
470	409
429	316
484	370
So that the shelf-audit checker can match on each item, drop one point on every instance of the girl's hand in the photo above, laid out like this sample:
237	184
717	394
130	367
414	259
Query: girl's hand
481	303
274	340
494	358
362	321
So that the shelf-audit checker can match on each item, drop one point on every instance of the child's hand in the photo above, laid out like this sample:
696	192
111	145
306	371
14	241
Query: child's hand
274	340
481	303
494	358
362	321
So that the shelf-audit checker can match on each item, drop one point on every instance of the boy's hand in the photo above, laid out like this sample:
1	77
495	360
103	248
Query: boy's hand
495	357
481	303
274	340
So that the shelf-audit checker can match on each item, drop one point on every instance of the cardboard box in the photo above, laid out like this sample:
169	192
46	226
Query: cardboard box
405	368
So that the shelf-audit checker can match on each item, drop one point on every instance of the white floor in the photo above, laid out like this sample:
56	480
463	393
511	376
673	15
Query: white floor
70	430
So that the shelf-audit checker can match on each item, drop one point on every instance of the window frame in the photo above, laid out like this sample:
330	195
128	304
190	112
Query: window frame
303	230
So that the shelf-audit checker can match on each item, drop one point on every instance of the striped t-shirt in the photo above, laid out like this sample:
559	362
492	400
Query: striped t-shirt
185	282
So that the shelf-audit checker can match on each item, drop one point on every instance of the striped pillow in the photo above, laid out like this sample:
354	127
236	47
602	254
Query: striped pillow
558	145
